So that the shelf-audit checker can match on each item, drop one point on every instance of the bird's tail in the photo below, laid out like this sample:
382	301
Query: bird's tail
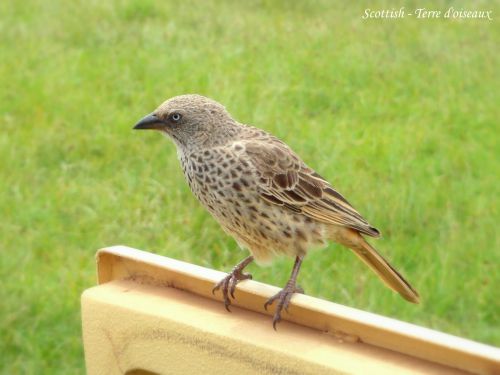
380	266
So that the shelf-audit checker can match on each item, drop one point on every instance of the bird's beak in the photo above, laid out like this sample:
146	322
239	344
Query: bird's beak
151	121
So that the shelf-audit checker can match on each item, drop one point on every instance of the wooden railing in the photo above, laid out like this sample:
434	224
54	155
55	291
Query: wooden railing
155	315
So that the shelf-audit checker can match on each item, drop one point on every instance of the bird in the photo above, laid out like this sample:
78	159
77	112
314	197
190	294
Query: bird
263	195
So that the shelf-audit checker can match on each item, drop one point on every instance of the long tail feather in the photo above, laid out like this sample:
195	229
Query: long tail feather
392	278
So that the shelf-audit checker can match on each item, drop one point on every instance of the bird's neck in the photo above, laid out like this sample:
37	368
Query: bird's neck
216	137
224	134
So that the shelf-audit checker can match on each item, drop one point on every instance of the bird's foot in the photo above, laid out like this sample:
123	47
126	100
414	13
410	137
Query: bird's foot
283	296
228	284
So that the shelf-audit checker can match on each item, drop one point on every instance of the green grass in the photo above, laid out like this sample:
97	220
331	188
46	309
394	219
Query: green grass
401	116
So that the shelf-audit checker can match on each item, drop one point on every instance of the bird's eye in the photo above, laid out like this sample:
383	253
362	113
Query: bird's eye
175	117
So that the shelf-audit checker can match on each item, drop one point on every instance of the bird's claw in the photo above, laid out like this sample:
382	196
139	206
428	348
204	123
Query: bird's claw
283	296
228	285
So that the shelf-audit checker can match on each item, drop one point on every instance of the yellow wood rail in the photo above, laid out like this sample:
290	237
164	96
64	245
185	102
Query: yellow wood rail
147	314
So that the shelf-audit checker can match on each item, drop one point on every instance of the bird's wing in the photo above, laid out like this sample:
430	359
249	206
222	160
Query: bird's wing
284	179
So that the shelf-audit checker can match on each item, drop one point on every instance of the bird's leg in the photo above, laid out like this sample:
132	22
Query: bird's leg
286	293
228	283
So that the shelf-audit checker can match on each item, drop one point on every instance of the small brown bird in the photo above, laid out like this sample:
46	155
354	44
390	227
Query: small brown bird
263	194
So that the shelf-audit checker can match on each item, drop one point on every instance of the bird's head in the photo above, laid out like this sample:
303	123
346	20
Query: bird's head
191	121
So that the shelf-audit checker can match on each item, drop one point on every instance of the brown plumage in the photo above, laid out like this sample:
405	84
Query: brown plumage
263	194
285	180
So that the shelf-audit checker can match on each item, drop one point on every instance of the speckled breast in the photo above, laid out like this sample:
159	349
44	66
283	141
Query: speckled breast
225	185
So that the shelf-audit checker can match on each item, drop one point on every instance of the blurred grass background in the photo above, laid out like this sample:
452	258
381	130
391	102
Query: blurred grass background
400	115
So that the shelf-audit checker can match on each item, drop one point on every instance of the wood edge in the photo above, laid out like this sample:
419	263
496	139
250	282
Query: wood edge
118	262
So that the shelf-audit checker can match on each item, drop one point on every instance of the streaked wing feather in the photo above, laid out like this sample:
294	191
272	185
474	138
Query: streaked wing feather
285	180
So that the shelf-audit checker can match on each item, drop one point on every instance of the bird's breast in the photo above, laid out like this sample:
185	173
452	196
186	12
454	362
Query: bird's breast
218	179
227	188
